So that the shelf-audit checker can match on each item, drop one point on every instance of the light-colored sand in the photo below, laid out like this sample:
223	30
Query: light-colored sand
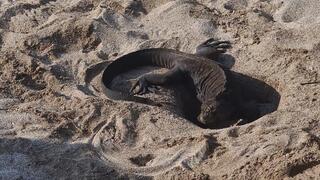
53	126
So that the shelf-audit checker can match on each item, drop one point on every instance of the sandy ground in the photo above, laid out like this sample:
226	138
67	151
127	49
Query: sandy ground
56	124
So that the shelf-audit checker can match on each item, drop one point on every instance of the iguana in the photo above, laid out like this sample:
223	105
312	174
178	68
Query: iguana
207	75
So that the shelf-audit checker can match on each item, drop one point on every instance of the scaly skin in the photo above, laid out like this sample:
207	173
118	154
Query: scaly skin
207	75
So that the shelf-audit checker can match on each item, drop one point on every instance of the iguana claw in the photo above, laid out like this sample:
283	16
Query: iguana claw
209	41
213	46
144	87
219	45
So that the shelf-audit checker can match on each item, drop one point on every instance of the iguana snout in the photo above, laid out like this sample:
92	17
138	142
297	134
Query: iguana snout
213	115
208	114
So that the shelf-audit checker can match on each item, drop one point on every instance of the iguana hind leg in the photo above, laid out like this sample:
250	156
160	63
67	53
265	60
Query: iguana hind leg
211	48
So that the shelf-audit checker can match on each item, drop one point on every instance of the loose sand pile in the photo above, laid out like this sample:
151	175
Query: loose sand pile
55	122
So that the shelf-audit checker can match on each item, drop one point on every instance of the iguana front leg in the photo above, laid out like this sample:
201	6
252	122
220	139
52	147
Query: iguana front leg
148	82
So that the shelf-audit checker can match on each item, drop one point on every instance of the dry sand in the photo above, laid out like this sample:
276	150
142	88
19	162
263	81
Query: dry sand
56	124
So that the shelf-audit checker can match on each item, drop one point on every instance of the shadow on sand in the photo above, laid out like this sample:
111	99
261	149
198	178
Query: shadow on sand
43	159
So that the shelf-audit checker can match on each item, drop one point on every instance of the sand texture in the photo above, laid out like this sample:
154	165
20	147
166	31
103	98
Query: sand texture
55	123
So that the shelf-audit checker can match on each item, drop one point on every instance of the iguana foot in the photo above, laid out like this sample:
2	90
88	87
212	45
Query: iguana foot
144	87
211	48
216	45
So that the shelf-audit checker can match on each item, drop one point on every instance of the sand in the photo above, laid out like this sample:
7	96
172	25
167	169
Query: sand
56	124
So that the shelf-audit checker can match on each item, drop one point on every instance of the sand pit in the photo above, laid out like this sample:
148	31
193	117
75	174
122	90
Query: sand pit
56	124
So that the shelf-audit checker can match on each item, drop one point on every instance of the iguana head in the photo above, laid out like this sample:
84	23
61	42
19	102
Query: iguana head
216	113
208	115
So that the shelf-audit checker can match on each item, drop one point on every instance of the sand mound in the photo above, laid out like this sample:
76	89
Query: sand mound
305	12
56	123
